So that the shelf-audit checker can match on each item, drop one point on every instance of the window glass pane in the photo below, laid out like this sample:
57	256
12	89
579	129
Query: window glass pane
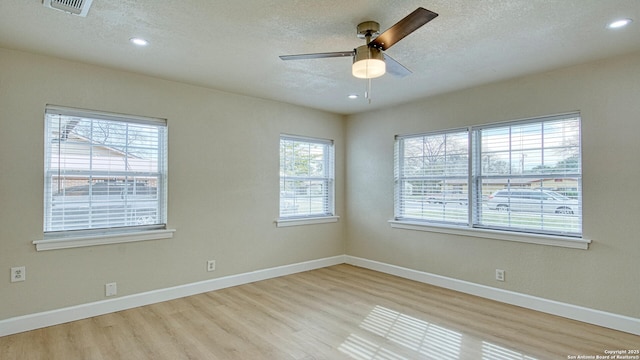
528	177
306	177
432	177
103	174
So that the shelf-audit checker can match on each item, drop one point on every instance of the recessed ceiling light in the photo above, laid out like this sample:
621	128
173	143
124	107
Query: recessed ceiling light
139	41
353	96
619	23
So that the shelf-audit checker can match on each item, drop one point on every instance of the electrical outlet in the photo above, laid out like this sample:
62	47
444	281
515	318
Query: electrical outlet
499	274
18	274
110	289
211	265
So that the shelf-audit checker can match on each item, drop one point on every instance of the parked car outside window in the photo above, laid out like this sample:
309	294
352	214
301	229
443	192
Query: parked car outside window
533	201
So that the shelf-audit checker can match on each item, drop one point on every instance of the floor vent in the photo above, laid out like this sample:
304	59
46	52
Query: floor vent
75	7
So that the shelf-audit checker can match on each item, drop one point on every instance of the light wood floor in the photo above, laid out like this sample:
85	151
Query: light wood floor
340	312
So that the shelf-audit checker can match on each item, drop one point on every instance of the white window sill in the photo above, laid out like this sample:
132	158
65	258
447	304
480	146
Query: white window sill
103	239
567	242
306	221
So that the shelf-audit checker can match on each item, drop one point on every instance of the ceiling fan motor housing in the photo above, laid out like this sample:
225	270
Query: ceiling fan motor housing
368	30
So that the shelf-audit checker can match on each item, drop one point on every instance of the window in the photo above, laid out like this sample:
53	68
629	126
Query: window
306	177
432	174
525	177
528	176
103	172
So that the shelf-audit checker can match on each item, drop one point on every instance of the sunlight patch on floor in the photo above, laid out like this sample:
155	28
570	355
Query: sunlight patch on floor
429	340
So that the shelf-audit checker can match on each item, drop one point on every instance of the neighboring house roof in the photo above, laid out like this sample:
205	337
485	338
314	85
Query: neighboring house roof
80	156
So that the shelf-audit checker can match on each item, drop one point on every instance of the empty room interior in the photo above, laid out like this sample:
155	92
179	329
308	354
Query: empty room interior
286	179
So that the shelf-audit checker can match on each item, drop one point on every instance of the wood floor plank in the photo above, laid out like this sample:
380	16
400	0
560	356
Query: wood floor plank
339	312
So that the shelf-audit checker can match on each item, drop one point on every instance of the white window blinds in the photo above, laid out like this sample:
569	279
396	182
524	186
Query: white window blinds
306	177
103	171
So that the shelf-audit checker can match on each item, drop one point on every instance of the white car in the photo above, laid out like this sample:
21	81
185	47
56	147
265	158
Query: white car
532	201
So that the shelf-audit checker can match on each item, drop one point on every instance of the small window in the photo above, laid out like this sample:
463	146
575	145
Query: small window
306	177
103	172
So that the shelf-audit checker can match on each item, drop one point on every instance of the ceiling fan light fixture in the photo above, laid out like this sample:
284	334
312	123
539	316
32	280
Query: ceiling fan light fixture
368	63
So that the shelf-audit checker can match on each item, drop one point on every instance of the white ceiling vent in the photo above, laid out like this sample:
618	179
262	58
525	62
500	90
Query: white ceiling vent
75	7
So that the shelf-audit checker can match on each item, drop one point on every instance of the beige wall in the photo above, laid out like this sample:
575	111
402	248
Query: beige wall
223	202
223	184
605	277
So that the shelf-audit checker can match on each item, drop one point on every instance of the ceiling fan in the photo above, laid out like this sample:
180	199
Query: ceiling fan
370	61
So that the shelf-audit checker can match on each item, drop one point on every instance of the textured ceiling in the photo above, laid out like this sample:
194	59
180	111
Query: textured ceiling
234	45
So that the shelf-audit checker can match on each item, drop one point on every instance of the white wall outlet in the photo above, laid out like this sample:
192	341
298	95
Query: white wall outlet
211	265
18	273
110	289
499	274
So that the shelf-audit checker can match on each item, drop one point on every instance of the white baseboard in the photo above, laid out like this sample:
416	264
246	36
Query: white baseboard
54	317
591	316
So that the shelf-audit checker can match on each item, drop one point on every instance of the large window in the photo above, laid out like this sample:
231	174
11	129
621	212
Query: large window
103	172
522	176
306	177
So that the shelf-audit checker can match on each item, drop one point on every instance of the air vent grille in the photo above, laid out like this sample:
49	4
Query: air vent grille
75	7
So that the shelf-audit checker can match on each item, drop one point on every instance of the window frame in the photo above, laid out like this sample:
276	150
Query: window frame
473	228
85	235
327	215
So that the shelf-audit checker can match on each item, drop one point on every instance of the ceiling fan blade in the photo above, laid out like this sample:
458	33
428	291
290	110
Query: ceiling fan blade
402	28
318	55
395	68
